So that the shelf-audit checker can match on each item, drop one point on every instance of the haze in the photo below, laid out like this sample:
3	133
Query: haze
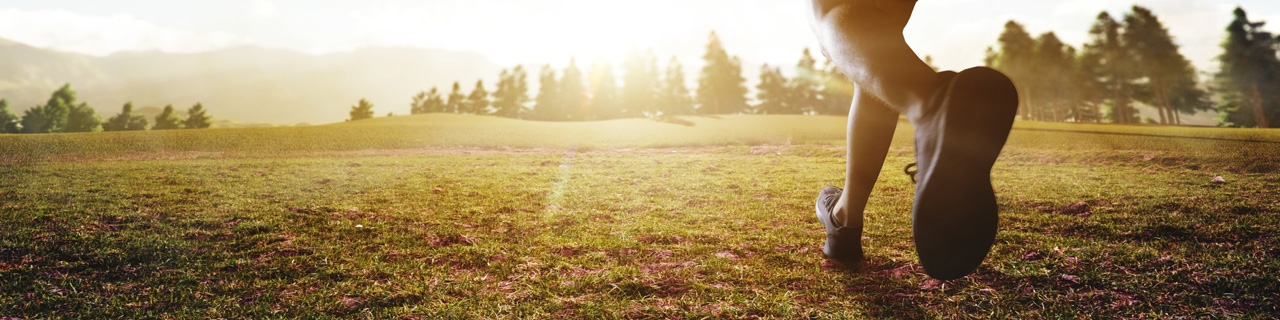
954	32
323	56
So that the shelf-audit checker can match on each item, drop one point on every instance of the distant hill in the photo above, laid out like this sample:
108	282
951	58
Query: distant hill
245	84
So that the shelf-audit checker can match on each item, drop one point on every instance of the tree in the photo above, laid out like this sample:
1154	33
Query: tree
457	100
82	118
1171	86
1054	62
721	88
478	100
419	104
1014	58
1249	76
196	118
1090	88
640	84
1118	67
547	105
804	95
604	103
126	120
166	120
434	103
362	110
521	93
512	94
673	94
573	93
500	100
52	116
9	122
37	120
772	93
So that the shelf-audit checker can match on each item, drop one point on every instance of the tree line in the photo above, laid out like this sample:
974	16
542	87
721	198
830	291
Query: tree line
1127	64
1133	62
62	113
646	90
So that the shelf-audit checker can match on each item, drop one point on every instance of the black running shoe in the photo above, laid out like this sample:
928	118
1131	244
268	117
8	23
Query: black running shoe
958	139
844	244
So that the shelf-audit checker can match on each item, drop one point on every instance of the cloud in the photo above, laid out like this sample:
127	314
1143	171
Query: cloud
102	35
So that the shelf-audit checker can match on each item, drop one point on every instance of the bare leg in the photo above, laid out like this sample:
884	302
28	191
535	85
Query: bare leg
864	39
871	127
962	121
853	33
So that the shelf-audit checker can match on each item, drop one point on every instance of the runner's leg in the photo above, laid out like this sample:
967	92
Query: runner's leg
871	127
864	40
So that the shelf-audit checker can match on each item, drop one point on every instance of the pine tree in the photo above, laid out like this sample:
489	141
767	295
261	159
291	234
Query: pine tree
166	120
1117	67
419	104
82	118
362	110
804	95
1015	58
673	94
547	105
196	118
126	120
521	93
457	100
605	103
478	100
573	93
501	91
772	93
1090	88
655	85
1075	87
640	84
1171	80
1053	61
434	103
9	122
1249	76
721	88
512	93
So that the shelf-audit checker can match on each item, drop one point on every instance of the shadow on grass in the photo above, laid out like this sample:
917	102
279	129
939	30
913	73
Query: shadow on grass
883	286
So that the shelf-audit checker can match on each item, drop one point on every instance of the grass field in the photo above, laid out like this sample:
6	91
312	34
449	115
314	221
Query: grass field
445	216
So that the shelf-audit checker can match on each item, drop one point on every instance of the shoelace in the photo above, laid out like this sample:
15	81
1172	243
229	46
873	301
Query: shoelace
830	201
910	172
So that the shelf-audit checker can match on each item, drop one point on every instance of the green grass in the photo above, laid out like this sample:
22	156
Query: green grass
475	217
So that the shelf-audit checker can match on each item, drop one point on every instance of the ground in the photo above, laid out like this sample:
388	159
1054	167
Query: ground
444	216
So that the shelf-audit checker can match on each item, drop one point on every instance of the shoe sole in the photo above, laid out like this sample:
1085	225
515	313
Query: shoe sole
954	217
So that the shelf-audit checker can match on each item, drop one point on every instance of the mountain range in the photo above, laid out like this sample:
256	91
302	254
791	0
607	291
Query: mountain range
245	84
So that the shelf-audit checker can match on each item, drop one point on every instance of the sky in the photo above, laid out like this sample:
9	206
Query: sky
954	32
